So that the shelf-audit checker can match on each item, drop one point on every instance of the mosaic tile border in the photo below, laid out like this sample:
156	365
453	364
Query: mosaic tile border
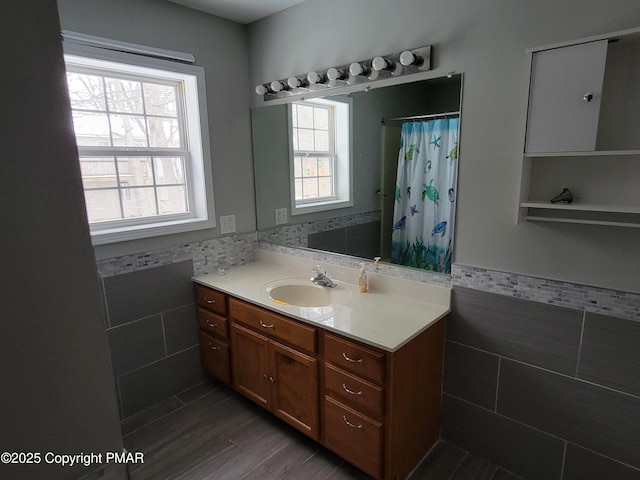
298	234
208	256
575	296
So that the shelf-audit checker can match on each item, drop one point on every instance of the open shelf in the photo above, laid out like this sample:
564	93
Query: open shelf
583	207
583	213
594	153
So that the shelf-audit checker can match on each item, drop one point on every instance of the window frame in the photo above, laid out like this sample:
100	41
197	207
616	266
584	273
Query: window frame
343	164
195	144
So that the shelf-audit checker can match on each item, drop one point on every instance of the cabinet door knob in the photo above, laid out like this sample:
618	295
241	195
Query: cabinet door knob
588	97
349	423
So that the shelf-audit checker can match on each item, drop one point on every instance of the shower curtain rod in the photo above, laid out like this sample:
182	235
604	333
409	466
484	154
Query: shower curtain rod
420	117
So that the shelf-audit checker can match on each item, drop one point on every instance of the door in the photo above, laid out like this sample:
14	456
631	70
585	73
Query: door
564	98
295	388
251	365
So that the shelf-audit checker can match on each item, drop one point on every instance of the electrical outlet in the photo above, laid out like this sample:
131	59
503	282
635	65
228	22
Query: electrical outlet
227	224
281	216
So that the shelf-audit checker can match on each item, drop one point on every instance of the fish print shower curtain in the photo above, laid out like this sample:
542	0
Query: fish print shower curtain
425	195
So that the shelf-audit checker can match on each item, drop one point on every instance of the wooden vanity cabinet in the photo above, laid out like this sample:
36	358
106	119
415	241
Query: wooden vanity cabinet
214	333
378	410
271	366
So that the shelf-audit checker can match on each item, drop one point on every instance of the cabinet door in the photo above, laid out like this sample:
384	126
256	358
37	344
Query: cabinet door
561	118
251	365
295	393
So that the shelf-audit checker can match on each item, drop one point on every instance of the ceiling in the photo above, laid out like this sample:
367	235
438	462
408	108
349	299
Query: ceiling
241	11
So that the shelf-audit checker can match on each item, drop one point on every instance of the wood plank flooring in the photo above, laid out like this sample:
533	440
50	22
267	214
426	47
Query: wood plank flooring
211	432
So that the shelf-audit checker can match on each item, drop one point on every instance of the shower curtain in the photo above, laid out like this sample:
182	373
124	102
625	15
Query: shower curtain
425	195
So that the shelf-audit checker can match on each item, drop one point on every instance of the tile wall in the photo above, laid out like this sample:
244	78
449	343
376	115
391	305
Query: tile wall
541	377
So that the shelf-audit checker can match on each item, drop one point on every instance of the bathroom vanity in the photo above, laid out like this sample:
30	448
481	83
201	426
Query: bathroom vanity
361	373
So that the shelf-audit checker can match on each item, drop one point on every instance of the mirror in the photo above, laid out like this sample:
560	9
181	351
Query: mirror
367	228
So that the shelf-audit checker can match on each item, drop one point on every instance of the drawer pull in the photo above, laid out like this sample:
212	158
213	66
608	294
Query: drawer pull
351	424
264	325
213	347
210	302
212	325
346	389
346	357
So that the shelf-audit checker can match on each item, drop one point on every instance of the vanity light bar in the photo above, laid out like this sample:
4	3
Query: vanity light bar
399	64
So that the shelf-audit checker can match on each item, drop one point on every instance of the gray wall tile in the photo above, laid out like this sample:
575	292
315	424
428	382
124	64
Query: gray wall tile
516	447
156	382
581	464
532	332
139	294
363	238
610	353
593	417
181	328
136	344
470	374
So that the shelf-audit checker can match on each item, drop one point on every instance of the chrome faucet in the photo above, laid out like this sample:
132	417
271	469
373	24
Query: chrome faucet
320	278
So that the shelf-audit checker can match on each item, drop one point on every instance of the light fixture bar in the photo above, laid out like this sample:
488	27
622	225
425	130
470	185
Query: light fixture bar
380	67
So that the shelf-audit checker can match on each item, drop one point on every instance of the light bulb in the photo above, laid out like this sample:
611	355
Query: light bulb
409	58
315	77
356	69
293	82
381	63
261	90
334	74
277	86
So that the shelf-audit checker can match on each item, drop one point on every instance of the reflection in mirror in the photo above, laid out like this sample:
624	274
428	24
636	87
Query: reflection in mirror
373	225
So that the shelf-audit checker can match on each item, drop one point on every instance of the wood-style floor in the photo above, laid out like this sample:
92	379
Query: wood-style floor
211	432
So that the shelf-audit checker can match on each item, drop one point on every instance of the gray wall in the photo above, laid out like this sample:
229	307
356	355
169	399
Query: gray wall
546	392
220	47
485	40
57	385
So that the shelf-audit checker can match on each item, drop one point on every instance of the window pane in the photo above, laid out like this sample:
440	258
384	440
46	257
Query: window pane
294	115
321	118
159	99
305	116
128	131
309	188
92	129
169	170
305	139
298	189
325	166
98	172
102	205
309	167
124	96
163	132
297	167
135	171
294	136
171	200
321	138
139	202
86	91
325	187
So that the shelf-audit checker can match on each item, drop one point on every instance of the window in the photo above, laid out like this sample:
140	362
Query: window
140	126
320	158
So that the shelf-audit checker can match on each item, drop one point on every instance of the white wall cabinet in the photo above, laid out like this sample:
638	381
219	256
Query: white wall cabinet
583	121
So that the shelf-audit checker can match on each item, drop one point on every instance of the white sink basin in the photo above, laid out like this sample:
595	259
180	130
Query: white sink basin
302	293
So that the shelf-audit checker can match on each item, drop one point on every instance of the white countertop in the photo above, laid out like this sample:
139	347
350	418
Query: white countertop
390	314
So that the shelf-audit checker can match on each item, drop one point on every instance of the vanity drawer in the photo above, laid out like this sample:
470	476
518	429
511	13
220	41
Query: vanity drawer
215	357
274	325
211	300
353	391
354	358
355	437
213	324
